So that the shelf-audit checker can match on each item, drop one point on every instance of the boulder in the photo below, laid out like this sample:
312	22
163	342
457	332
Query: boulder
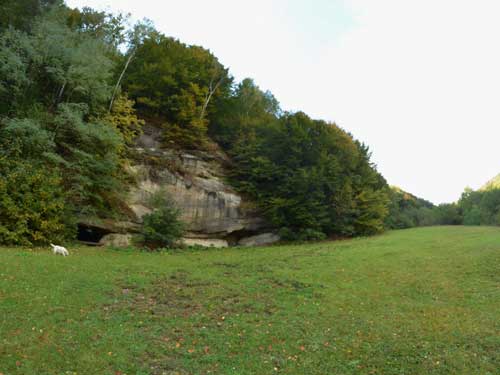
259	240
116	240
205	242
140	211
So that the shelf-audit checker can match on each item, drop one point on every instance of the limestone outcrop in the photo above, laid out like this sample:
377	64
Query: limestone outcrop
196	183
116	240
205	242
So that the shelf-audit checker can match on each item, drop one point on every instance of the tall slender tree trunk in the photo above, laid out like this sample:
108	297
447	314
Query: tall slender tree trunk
211	91
120	80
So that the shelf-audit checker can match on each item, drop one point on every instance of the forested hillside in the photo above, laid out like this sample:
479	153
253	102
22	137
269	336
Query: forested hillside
408	211
76	88
481	207
492	184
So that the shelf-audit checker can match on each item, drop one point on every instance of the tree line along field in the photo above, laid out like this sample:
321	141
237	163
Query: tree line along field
78	87
418	301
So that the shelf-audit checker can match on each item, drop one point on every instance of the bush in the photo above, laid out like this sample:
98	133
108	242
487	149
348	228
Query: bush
473	217
449	214
162	227
32	205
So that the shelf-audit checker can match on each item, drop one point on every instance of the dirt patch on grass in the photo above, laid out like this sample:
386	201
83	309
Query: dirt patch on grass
226	265
181	296
178	311
174	296
296	287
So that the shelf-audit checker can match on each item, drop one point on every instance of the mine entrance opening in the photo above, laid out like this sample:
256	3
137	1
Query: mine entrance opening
90	235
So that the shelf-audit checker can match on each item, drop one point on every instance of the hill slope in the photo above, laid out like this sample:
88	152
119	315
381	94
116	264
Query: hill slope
420	301
494	183
408	211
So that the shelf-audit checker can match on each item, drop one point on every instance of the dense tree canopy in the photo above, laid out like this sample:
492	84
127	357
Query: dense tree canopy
19	14
480	207
310	178
55	83
176	84
408	211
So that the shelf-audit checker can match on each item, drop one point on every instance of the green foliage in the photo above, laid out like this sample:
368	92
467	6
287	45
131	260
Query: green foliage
90	159
99	25
17	53
54	89
408	211
247	111
162	227
175	82
32	204
473	216
307	176
20	14
52	65
371	211
86	154
27	139
76	65
449	214
64	105
24	144
480	207
124	118
492	184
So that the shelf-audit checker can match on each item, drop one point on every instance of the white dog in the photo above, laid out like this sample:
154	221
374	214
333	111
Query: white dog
59	250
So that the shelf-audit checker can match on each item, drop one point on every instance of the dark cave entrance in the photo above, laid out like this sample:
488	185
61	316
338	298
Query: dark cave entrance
90	235
234	237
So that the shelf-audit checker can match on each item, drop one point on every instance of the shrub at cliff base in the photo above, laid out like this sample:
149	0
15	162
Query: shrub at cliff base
162	227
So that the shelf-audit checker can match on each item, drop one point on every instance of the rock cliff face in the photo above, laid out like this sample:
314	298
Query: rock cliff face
195	181
214	213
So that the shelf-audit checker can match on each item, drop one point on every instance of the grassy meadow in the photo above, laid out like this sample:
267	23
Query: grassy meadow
420	301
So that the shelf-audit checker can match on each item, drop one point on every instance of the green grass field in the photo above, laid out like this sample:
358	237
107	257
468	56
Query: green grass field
422	301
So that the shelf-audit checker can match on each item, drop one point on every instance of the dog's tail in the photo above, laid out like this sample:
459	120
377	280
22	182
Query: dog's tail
52	245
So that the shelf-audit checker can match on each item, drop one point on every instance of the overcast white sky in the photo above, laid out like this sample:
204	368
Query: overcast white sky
418	81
